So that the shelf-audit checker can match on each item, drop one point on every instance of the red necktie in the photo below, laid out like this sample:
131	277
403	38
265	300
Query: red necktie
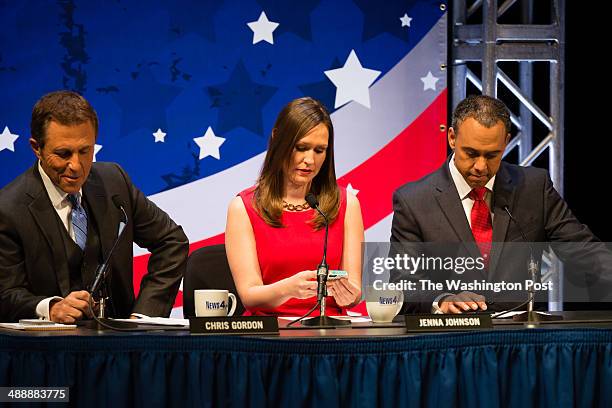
482	227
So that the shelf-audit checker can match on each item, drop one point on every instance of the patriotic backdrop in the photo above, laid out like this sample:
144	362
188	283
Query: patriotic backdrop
187	92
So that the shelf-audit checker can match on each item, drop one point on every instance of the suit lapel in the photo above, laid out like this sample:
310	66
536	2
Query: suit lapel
46	217
503	195
95	194
448	198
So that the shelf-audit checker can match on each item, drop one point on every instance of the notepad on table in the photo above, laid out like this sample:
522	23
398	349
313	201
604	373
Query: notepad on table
44	326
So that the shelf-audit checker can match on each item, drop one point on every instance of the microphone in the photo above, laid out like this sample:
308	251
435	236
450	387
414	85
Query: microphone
124	219
323	268
103	267
320	321
533	265
531	317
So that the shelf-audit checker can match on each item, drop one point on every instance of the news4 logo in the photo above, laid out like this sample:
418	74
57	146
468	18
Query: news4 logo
215	305
388	300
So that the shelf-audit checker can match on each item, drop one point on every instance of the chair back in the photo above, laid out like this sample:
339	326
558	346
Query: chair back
207	268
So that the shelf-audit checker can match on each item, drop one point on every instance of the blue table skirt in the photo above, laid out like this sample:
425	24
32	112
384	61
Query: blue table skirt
523	368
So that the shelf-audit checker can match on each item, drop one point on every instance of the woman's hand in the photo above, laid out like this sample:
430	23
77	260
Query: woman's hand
345	292
302	285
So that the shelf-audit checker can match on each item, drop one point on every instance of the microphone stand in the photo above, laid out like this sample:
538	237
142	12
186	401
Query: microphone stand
98	287
530	317
322	321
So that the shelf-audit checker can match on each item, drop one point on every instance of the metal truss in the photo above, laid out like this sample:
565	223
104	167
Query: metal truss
489	42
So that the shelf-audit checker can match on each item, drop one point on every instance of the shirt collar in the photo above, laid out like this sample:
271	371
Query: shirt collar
463	188
56	194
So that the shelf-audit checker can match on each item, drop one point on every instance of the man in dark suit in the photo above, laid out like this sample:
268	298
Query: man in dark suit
59	219
469	200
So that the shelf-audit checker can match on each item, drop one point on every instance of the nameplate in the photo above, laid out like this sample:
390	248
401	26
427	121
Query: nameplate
234	325
446	322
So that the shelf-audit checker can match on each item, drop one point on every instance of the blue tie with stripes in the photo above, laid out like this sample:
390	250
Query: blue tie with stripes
79	221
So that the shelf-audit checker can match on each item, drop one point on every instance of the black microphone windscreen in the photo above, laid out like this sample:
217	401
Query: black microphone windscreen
117	201
500	202
119	204
312	200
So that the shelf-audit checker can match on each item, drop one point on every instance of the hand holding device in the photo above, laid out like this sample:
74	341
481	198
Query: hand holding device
337	274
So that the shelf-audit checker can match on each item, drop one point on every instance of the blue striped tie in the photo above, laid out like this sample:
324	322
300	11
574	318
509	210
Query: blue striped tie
79	221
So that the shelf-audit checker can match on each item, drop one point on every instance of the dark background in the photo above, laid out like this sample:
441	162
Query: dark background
587	113
587	164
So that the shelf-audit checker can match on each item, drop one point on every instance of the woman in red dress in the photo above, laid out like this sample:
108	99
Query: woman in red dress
274	240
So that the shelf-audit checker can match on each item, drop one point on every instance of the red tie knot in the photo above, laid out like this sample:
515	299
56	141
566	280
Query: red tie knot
478	193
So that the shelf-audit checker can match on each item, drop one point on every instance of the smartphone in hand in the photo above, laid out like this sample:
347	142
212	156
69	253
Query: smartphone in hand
336	274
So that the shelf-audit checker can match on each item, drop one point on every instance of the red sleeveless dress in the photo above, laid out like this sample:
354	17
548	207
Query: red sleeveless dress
295	247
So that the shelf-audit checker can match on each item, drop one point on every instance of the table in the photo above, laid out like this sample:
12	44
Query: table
558	365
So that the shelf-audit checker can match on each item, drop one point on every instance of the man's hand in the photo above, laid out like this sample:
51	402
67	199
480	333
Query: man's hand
70	309
462	302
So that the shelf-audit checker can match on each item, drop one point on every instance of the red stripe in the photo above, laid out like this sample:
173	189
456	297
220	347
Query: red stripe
141	262
417	151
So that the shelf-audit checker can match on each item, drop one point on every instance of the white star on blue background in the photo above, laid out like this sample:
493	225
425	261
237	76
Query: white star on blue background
7	140
209	144
263	29
97	148
405	20
352	81
159	135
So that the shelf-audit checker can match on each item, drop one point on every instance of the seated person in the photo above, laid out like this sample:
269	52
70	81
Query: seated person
478	199
59	219
274	240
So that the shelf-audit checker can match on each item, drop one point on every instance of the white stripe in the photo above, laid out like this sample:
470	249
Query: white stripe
397	99
176	313
381	231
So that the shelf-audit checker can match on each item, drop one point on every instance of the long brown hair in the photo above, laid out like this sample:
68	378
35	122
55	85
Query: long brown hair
296	119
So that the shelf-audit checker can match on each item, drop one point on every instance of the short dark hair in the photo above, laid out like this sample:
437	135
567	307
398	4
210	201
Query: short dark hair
486	110
66	108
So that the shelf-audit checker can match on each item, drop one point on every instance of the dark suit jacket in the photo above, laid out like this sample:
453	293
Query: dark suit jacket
33	263
430	210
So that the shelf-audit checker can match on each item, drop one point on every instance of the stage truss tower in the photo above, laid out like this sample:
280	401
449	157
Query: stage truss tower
494	50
